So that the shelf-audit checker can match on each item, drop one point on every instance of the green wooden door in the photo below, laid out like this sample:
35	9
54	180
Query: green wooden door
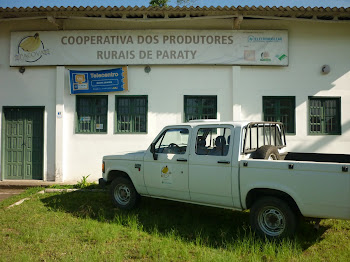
23	143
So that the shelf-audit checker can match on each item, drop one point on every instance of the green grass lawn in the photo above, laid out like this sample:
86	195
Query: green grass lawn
84	226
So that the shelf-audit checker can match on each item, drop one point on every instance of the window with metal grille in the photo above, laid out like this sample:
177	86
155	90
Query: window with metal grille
280	109
131	114
324	116
91	114
200	107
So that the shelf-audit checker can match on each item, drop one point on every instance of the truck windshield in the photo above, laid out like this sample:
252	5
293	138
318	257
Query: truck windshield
173	141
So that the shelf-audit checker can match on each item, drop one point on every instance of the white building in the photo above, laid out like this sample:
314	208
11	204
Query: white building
245	63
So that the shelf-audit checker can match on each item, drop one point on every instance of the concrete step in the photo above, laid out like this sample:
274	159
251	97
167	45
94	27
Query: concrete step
22	184
6	193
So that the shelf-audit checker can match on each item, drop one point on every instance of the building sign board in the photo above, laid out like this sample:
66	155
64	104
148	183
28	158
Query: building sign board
98	81
149	47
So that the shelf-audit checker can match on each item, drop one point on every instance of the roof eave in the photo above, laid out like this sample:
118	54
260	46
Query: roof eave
158	13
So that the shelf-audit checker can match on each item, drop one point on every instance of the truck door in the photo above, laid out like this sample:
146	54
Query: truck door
210	165
167	176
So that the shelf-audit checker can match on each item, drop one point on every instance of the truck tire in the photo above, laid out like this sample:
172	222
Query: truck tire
272	218
267	152
124	194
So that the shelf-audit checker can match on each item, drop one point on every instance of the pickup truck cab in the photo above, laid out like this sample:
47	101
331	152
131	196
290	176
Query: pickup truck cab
234	165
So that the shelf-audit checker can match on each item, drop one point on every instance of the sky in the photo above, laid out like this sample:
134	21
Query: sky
201	3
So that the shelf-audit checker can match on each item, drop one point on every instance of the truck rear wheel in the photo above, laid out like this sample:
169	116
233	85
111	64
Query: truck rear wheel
123	193
272	218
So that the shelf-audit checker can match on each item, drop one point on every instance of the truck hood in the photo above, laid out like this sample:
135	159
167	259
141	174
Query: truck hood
135	156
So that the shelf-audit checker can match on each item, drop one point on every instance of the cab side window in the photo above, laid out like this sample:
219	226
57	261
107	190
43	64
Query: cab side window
173	141
213	141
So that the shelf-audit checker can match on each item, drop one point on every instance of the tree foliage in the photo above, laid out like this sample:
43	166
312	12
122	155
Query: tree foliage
159	3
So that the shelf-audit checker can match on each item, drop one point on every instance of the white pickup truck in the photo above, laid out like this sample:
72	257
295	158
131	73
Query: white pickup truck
232	165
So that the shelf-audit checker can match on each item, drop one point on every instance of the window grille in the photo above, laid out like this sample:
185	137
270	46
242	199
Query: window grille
324	116
200	107
91	114
131	114
280	109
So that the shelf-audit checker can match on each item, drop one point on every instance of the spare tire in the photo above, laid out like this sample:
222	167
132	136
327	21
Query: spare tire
266	152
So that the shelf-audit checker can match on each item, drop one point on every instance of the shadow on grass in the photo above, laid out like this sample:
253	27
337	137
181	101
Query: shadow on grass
212	227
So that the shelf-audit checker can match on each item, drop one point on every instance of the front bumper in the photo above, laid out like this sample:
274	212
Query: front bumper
102	183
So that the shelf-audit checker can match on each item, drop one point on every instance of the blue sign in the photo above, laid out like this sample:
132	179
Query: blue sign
98	81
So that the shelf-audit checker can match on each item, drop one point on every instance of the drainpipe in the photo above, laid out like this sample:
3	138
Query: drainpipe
237	22
53	21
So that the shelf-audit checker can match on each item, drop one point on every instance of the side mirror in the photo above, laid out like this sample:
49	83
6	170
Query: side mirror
153	151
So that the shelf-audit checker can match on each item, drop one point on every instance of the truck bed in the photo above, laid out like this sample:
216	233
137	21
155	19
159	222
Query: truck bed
319	189
317	157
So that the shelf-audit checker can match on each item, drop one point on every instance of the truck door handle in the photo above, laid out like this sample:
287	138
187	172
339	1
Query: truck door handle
181	160
223	162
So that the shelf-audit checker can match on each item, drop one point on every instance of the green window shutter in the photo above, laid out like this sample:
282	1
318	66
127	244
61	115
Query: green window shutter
280	109
200	107
91	113
324	116
131	114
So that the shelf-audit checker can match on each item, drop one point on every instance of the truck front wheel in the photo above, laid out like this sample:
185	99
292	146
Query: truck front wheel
272	218
123	193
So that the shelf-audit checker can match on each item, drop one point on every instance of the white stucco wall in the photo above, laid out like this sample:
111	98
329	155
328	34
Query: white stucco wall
311	45
35	87
239	90
165	87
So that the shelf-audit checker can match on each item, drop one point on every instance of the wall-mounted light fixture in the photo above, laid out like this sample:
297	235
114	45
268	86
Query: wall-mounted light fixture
22	69
325	69
147	69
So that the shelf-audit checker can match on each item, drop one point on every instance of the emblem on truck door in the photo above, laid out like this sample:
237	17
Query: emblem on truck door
165	176
165	171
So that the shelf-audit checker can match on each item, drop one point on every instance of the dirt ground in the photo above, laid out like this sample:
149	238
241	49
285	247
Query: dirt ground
6	193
